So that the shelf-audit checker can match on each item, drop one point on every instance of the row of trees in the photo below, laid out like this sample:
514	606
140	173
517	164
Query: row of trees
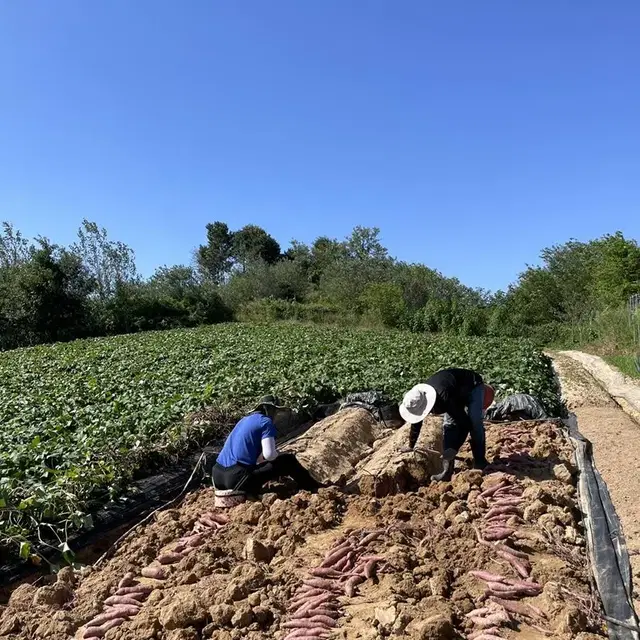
50	293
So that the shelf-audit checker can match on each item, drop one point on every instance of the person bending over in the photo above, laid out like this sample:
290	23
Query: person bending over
249	458
462	396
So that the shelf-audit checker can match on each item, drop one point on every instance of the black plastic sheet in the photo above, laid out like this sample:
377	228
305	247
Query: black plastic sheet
518	406
606	545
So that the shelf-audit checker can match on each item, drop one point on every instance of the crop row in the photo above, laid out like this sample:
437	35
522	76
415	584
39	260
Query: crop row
77	418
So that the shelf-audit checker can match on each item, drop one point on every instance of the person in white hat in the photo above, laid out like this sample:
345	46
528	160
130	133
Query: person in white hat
459	394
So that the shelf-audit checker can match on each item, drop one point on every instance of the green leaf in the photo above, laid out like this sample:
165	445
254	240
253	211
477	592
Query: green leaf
25	550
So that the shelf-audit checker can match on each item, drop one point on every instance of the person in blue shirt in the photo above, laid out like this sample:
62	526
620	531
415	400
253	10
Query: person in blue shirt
249	458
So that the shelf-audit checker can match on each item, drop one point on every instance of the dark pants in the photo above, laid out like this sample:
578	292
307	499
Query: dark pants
252	479
454	434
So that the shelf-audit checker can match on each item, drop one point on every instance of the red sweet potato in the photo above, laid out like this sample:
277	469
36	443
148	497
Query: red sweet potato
494	489
492	620
507	501
325	572
370	568
519	608
514	552
303	623
157	573
486	576
336	555
351	584
113	600
374	535
137	592
498	533
208	522
220	518
502	510
119	611
127	580
194	540
320	583
478	612
100	631
308	634
310	613
522	567
170	557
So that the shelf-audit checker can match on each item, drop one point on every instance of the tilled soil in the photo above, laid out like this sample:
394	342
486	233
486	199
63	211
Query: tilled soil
494	555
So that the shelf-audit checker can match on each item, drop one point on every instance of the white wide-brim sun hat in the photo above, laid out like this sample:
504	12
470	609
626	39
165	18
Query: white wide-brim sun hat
417	403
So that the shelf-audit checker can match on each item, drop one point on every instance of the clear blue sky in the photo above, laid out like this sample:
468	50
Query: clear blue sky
472	133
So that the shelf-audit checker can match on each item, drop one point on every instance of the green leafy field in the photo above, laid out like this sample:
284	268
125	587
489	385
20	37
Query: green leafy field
77	418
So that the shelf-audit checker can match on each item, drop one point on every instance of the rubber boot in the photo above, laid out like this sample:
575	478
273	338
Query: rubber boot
448	463
479	460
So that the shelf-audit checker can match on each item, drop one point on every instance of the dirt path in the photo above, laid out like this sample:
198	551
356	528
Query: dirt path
616	445
625	391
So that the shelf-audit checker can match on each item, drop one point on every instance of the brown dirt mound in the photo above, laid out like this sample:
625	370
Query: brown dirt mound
245	578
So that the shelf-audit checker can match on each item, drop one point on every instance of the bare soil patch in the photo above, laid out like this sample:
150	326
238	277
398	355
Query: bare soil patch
399	560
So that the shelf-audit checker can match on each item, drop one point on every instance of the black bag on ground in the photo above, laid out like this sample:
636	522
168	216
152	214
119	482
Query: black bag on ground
518	406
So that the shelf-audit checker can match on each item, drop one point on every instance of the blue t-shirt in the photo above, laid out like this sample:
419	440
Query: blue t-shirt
244	443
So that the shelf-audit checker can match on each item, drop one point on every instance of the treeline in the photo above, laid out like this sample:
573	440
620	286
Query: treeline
91	288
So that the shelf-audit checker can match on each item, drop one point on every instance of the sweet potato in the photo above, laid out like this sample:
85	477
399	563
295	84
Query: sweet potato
325	572
336	555
498	533
169	557
138	591
519	608
157	573
320	583
526	584
506	500
514	552
374	535
351	584
370	568
305	591
192	541
500	587
310	613
119	611
114	600
503	510
311	603
494	489
220	518
208	522
100	631
491	620
486	576
478	612
522	567
308	634
310	623
301	598
327	621
127	580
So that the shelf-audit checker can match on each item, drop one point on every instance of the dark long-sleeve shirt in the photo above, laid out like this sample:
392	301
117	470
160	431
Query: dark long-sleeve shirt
453	387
